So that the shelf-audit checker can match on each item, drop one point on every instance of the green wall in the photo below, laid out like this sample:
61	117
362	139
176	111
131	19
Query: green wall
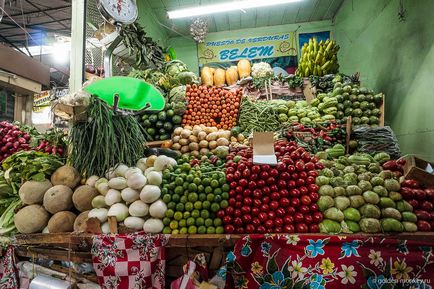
148	20
186	49
396	58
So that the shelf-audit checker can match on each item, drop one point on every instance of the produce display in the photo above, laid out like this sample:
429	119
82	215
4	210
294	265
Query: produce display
356	195
220	77
375	139
212	106
318	58
272	199
160	125
12	140
194	191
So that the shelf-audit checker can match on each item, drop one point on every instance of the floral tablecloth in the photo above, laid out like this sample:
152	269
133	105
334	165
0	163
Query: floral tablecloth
8	269
129	261
335	262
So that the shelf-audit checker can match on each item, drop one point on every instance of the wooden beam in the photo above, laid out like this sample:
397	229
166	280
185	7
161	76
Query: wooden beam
20	85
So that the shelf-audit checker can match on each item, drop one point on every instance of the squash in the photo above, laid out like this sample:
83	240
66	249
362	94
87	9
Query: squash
212	69
167	144
231	75
206	76
219	77
244	68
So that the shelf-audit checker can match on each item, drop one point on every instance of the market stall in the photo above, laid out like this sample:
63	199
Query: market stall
248	177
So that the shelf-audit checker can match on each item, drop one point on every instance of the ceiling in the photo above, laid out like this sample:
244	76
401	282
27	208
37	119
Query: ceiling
42	19
297	12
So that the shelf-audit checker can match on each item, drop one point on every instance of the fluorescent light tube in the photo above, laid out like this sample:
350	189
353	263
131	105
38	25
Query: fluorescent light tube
224	7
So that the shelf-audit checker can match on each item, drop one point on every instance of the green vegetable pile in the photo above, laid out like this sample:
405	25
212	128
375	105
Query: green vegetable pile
301	112
357	196
258	115
160	125
9	201
194	192
350	100
105	140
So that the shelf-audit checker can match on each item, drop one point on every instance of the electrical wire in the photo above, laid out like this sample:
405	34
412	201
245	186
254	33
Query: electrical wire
16	23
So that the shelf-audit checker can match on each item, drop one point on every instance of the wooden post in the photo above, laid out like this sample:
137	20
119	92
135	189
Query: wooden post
113	224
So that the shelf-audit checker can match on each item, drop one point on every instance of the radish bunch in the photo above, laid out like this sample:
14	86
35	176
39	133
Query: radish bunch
12	140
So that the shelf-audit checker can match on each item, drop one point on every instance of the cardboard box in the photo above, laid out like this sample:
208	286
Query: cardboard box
68	112
415	168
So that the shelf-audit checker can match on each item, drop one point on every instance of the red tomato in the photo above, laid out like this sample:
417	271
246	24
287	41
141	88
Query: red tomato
257	194
304	190
256	169
313	188
298	217
257	203
284	193
284	202
229	211
288	219
313	228
423	226
256	222
250	229
312	173
274	205
300	182
304	209
246	173
269	224
427	206
243	183
229	176
278	230
232	202
294	176
299	165
295	202
232	193
220	214
238	222
239	197
310	180
301	228
237	213
308	219
239	190
309	166
275	196
278	222
274	173
255	211
245	209
291	184
266	200
281	184
239	230
265	208
227	219
260	183
302	175
285	176
261	229
247	219
271	180
291	169
230	170
271	215
290	210
317	217
265	168
280	212
254	177
247	193
288	228
414	203
305	200
237	175
248	201
229	229
295	193
274	188
314	207
281	167
263	217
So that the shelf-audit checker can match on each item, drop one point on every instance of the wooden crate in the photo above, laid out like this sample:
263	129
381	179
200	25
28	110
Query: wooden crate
414	168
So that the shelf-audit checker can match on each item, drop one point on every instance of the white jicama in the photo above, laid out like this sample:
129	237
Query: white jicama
134	223
153	226
105	228
99	202
136	181
161	162
110	174
91	181
112	197
119	210
148	170
155	178
138	209
158	209
120	170
130	195
132	171
100	214
118	183
150	194
141	164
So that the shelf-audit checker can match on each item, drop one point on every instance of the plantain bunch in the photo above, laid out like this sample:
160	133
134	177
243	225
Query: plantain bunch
318	58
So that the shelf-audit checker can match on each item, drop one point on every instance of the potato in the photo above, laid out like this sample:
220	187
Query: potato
183	142
201	136
185	133
32	192
177	131
212	136
222	142
176	139
176	146
212	144
80	222
203	144
67	176
225	134
193	138
62	222
31	219
83	196
58	198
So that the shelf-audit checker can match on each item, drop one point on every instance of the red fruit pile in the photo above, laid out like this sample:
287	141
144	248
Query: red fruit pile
272	199
45	146
12	140
422	202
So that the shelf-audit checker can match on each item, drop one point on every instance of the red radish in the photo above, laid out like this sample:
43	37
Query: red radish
423	226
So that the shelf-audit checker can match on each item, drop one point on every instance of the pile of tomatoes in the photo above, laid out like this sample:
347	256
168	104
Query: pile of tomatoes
272	199
212	106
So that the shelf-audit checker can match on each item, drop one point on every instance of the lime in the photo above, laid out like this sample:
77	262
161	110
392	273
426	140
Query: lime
180	207
210	230
225	188
200	188
182	223
167	198
159	124
206	204
147	123
187	215
192	197
191	221
206	182
178	170
198	205
183	199
202	197
195	213
192	187
186	167
167	230
179	190
175	198
162	115
173	225
165	190
215	207
217	199
192	229
171	205
185	186
208	190
215	176
179	181
178	216
190	178
172	186
218	191
214	184
183	230
210	197
201	230
153	118
169	213
166	221
208	222
217	222
204	214
222	181
170	112
168	126
225	196
224	204
219	230
175	232
200	221
189	206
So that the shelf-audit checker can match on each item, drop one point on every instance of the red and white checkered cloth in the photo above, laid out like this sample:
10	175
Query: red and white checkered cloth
132	261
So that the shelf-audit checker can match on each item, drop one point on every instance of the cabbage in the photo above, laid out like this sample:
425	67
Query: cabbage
340	191
174	67
353	226
392	185
380	190
391	225
370	225
352	214
334	214
325	202
357	201
371	197
353	190
329	227
370	211
409	227
391	213
387	203
365	185
326	190
342	203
